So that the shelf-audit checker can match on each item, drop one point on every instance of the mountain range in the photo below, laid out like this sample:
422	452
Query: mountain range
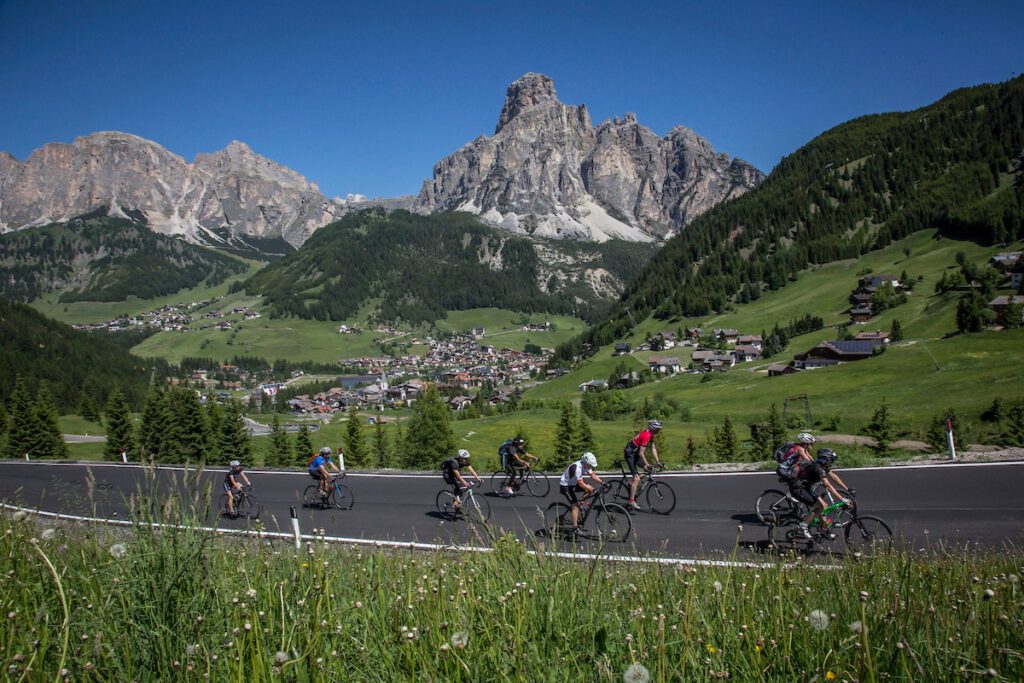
546	172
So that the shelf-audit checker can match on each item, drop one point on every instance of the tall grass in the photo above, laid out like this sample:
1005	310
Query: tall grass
142	604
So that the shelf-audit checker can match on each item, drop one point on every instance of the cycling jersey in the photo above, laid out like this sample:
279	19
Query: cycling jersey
319	461
573	473
230	476
507	450
807	474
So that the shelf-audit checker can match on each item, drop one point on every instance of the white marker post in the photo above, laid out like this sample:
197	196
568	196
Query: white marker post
26	456
341	459
295	527
949	438
124	457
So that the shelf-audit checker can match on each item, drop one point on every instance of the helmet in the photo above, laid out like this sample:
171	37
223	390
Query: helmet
826	456
326	450
519	441
590	459
804	438
654	424
463	454
234	463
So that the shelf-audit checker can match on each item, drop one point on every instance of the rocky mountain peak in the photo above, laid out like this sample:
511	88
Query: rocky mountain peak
526	92
548	172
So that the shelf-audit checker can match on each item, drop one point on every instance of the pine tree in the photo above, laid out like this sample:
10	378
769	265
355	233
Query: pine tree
303	447
691	450
896	331
880	427
156	430
120	434
192	431
936	435
279	452
355	444
429	438
726	442
215	427
235	436
88	409
48	438
380	446
21	425
3	422
584	435
1015	424
565	434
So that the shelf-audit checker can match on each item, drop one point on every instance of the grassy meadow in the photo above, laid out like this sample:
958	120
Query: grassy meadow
89	603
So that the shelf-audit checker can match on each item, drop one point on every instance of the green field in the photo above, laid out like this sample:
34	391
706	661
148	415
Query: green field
97	312
504	327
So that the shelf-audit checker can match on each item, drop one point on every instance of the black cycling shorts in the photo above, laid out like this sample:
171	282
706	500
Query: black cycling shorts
631	462
317	474
803	494
570	493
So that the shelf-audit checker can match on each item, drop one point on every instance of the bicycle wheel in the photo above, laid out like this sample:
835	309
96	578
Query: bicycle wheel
311	497
661	499
537	483
868	535
498	482
445	503
558	520
476	508
341	497
772	505
785	536
613	523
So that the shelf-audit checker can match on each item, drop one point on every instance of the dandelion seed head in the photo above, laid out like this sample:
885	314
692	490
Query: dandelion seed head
988	594
636	673
717	585
118	550
856	627
281	657
818	620
19	515
460	639
48	534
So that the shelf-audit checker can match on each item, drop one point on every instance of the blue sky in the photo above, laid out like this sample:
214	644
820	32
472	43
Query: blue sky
366	97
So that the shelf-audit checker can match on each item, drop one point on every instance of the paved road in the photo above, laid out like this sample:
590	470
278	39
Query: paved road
977	505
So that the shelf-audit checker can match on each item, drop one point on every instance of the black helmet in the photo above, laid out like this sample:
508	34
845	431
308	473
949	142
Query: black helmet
826	456
519	441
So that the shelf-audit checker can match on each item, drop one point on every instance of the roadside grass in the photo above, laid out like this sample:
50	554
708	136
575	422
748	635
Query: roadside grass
76	424
89	603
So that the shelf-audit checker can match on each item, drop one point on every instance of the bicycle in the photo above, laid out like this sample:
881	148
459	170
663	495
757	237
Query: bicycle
772	504
339	496
245	504
864	534
611	521
536	482
471	507
658	496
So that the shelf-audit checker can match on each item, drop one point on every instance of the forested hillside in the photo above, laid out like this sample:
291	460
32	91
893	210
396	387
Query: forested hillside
419	267
955	165
100	258
75	364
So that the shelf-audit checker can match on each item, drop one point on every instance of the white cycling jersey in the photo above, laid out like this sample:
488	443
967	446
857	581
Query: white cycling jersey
574	472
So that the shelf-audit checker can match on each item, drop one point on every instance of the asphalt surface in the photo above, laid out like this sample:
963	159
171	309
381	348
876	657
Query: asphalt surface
966	505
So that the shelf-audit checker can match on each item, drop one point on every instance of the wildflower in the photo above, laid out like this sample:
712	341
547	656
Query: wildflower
190	650
711	648
856	627
359	605
636	673
988	594
251	593
281	657
818	620
248	626
118	550
829	676
1013	579
48	534
444	647
717	585
460	639
19	515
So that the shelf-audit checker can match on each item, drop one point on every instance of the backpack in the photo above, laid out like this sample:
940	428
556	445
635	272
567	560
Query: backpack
788	459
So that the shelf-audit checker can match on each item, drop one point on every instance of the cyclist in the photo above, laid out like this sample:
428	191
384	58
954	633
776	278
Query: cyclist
318	465
450	470
801	486
515	461
572	482
233	484
827	458
635	455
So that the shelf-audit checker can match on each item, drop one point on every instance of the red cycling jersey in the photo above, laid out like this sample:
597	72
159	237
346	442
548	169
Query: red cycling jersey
643	438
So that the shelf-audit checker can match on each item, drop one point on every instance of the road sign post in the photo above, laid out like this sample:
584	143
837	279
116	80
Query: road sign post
295	527
949	438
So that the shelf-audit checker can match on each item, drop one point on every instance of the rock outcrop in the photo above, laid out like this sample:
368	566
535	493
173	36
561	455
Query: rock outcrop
547	171
231	197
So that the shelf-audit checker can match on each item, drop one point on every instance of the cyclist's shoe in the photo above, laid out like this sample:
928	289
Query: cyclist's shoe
804	531
632	506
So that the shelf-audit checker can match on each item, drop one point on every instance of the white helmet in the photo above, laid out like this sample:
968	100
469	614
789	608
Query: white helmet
463	454
590	459
234	463
804	437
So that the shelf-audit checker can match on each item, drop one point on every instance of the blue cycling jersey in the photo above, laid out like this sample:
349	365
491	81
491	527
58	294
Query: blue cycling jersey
318	462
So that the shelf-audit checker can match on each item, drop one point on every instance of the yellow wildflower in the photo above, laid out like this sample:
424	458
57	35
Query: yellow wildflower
829	676
711	648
